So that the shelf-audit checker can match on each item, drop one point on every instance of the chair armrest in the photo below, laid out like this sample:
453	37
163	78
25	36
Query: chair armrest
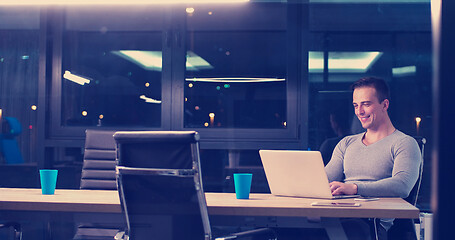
121	236
121	170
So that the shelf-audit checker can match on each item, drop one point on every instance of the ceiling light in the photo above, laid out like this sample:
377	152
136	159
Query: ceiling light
370	1
149	100
196	63
189	10
348	62
404	71
111	2
235	80
149	60
152	60
75	78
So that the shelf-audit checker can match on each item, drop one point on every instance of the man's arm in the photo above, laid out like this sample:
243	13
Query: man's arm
407	159
334	168
339	188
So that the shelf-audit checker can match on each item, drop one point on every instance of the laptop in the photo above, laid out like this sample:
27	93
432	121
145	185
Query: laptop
297	174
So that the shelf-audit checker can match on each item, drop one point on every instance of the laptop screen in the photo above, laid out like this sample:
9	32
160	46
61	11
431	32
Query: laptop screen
295	173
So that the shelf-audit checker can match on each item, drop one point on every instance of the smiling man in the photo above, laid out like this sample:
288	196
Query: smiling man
382	161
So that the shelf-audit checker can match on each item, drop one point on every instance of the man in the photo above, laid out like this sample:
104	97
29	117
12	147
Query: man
379	162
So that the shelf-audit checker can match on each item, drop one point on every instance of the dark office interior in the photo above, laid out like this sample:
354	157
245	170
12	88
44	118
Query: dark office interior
262	74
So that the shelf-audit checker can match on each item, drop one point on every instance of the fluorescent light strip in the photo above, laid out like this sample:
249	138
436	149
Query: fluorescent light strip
196	63
149	60
359	62
370	1
112	2
235	80
149	100
75	78
404	71
152	60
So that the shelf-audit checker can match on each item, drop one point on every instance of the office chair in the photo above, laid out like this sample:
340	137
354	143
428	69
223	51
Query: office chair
17	176
404	228
14	230
160	187
98	173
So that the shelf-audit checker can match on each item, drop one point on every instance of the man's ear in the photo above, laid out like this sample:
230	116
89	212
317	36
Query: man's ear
385	104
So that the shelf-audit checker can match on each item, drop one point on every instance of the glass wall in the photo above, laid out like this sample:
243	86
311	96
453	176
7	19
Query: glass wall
19	58
263	74
236	74
177	68
111	70
365	40
387	40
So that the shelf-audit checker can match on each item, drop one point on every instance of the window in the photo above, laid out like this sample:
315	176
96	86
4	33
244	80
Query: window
112	68
123	70
236	75
19	58
360	40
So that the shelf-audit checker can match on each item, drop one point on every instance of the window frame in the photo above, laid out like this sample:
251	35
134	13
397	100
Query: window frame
56	129
174	52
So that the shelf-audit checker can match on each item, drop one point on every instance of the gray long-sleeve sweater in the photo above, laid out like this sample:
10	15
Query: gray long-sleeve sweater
386	168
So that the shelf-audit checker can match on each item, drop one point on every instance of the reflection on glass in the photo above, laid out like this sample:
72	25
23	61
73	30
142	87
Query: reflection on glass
19	74
348	62
402	59
404	71
149	60
111	68
240	77
110	2
75	78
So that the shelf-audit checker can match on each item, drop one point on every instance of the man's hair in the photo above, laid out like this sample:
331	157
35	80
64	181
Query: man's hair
382	90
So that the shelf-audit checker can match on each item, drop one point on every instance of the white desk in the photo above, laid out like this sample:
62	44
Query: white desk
83	204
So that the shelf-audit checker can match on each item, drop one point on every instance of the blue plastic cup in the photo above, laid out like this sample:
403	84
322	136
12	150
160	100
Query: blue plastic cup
242	184
48	179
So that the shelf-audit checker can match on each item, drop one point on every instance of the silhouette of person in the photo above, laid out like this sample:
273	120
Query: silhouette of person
340	123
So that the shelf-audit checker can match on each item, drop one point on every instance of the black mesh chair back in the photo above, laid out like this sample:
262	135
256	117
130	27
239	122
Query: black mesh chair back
403	229
158	177
414	194
98	169
98	173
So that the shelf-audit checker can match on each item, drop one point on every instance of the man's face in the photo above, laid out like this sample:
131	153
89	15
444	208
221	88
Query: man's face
368	109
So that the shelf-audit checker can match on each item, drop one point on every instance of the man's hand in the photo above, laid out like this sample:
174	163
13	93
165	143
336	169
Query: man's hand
339	188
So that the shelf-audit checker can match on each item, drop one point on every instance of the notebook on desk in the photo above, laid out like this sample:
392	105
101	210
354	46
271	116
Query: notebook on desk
297	174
